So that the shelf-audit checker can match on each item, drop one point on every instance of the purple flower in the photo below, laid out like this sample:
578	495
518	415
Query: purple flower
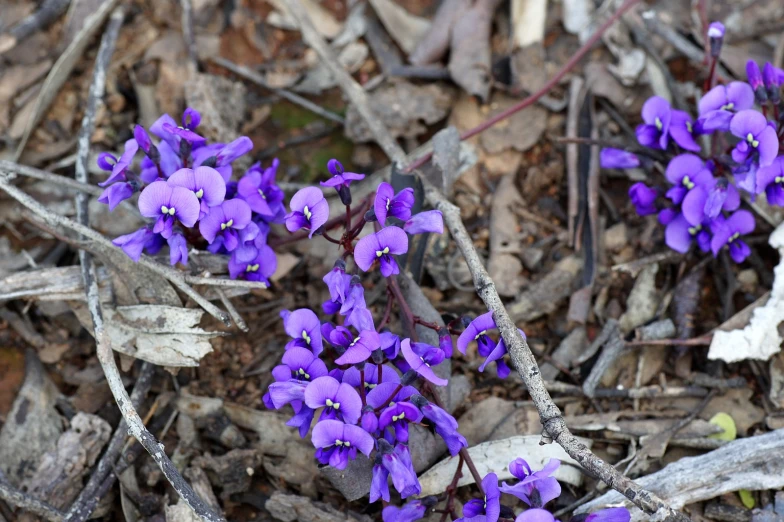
186	134
617	514
477	331
299	364
133	243
535	515
178	249
398	416
351	376
412	511
304	328
682	131
706	201
728	231
115	194
168	163
490	507
339	400
258	188
382	245
360	348
772	82
233	150
340	180
253	263
536	488
771	180
445	425
445	342
167	204
685	172
286	392
397	462
718	105
379	483
424	222
421	362
118	167
369	421
716	30
309	210
679	234
355	309
225	220
643	198
610	158
657	114
338	443
143	139
387	203
338	282
754	76
390	344
382	395
756	136
191	118
206	184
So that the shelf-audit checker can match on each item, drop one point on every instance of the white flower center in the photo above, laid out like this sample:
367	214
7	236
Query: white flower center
733	237
200	193
728	106
480	334
167	210
307	213
345	443
227	224
306	336
396	418
331	404
388	202
659	124
380	253
261	193
693	230
252	268
689	184
303	373
750	138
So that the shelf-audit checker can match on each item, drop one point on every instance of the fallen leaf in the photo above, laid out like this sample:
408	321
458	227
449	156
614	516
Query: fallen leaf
761	338
33	425
162	335
746	498
521	131
406	29
504	265
727	425
319	79
222	105
404	108
495	456
643	300
322	18
528	21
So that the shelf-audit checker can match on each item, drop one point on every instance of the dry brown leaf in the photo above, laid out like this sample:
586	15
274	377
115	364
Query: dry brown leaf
435	42
520	131
404	108
503	264
469	58
222	105
406	29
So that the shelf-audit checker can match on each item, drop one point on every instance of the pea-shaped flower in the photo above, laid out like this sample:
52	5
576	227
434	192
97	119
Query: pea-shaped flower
205	182
381	246
166	203
224	221
309	210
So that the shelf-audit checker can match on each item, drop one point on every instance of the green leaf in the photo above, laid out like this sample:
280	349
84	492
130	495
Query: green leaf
746	498
725	422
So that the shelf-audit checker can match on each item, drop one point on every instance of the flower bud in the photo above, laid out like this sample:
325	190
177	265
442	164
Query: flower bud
210	162
345	194
335	167
772	83
370	216
754	76
185	148
142	138
445	342
369	420
377	356
716	38
409	378
418	400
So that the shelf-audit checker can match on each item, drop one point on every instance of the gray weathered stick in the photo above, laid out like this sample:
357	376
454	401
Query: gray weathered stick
88	499
43	175
24	501
41	17
523	359
103	341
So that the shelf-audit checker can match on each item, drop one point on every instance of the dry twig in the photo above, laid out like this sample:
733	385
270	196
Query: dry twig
24	501
523	359
55	179
103	341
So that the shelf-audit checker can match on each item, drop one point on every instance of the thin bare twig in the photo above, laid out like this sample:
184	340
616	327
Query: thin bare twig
176	277
523	359
189	36
88	499
41	17
103	341
24	501
30	172
248	74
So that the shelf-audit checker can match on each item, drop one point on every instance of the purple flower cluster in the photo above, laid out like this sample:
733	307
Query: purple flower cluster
184	182
742	122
